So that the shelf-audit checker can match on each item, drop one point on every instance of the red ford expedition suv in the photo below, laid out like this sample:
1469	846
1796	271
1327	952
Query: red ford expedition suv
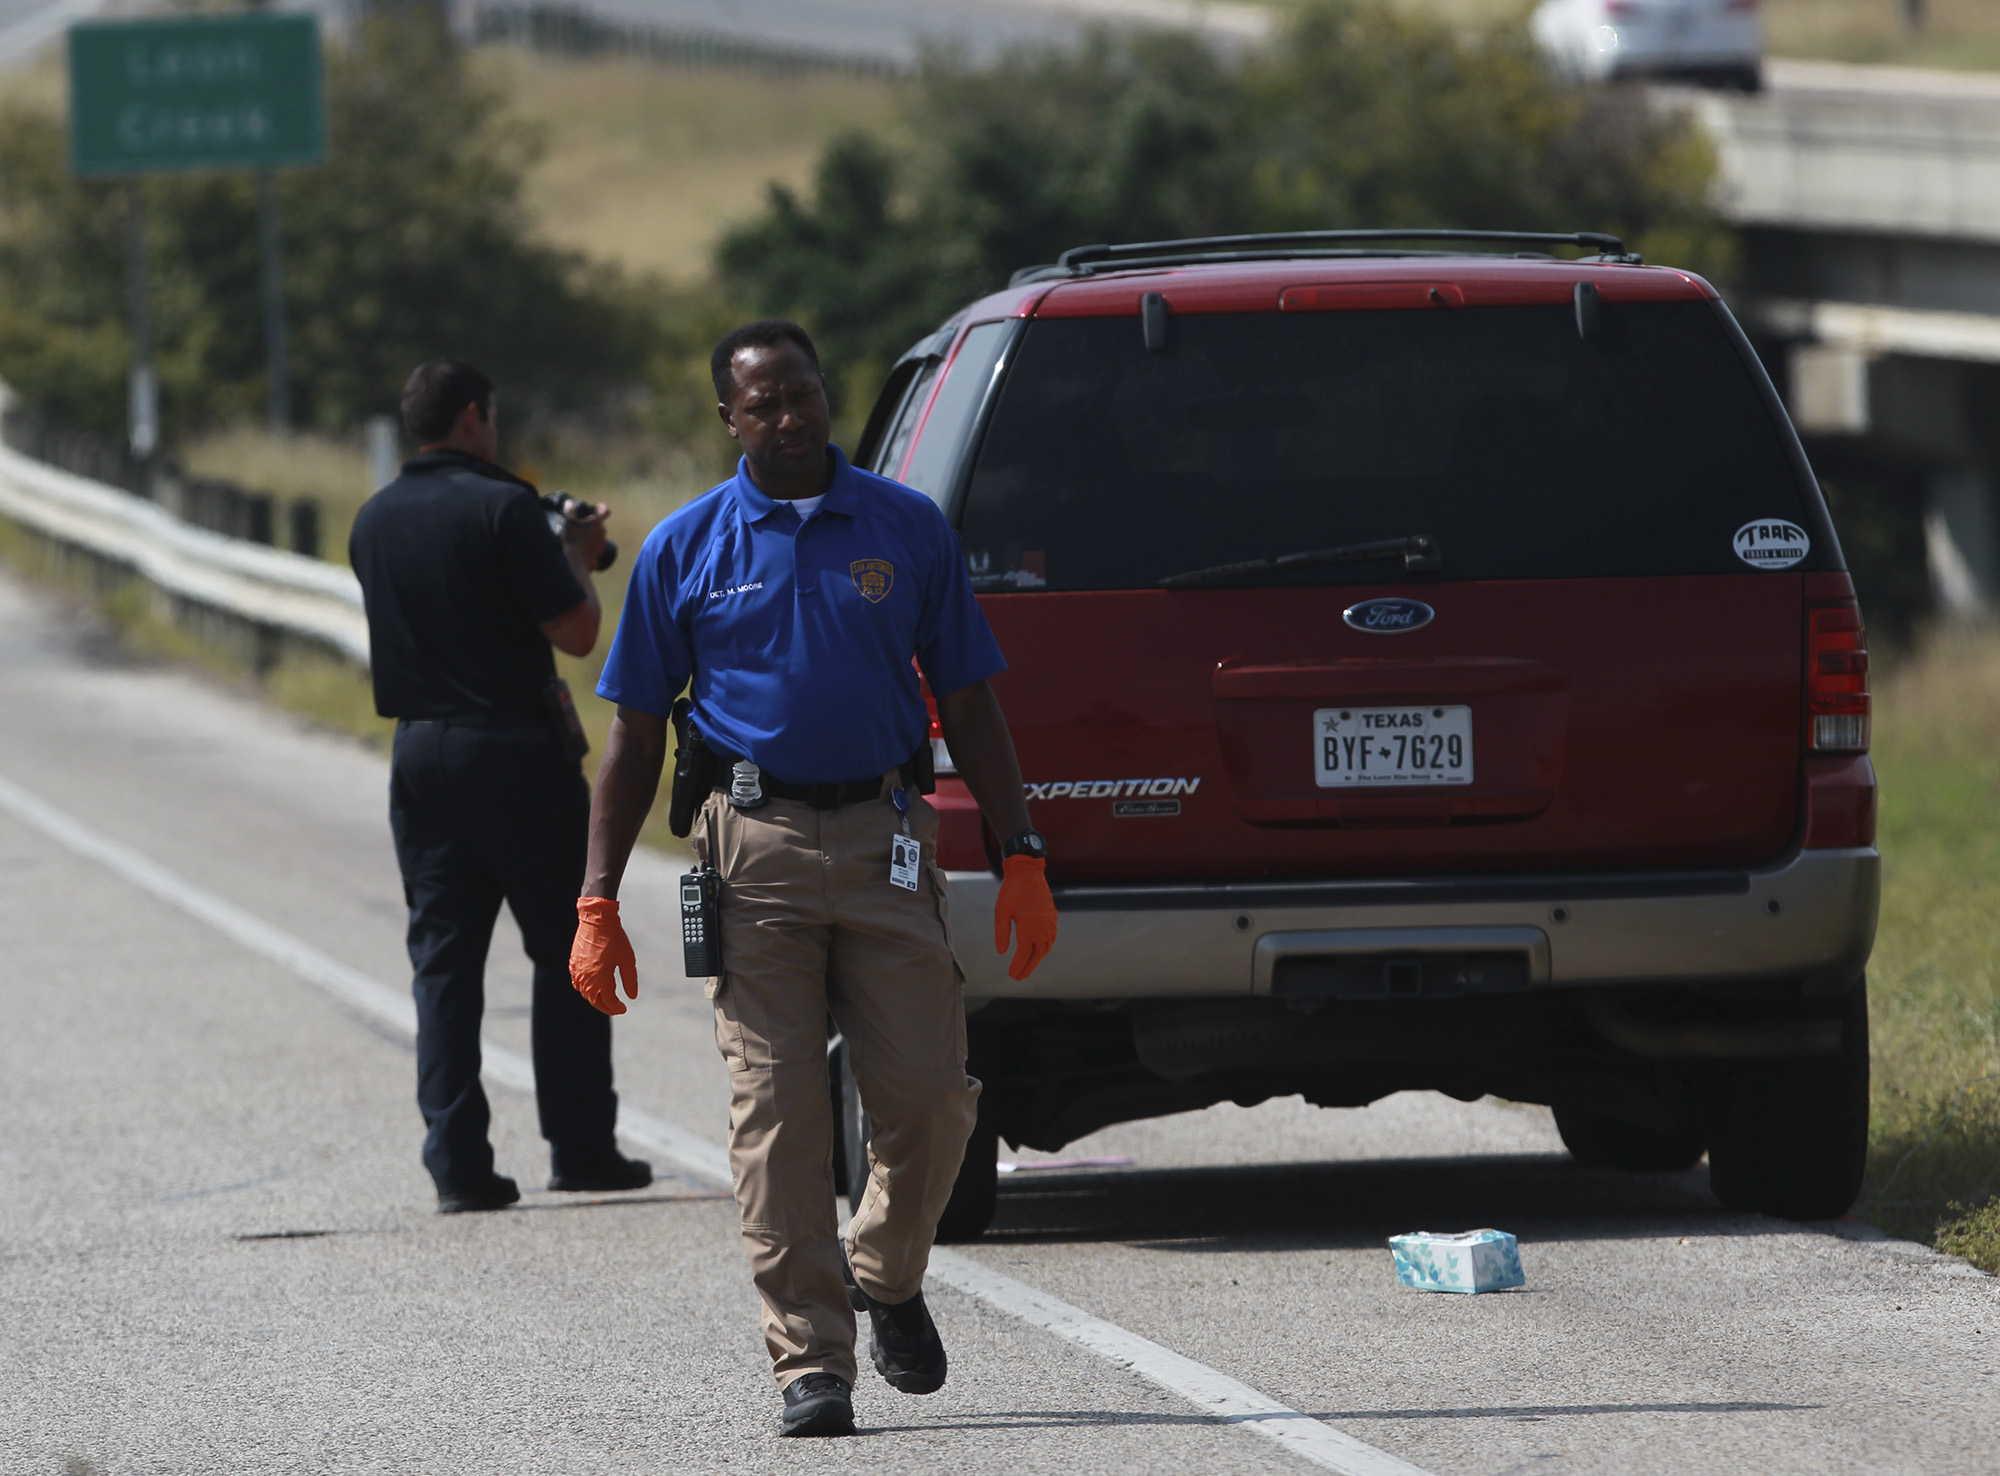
1431	668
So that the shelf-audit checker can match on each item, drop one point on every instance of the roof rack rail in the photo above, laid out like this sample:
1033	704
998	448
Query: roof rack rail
1081	260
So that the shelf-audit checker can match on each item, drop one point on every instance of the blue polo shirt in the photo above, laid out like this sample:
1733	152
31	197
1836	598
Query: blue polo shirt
799	635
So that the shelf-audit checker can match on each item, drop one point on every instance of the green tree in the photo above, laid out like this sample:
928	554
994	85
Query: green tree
64	341
1356	115
1123	137
846	256
1371	117
410	241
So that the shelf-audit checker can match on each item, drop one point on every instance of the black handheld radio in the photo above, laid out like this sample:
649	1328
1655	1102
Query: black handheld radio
701	922
557	505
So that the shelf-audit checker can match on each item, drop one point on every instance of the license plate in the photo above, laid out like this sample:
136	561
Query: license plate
1355	747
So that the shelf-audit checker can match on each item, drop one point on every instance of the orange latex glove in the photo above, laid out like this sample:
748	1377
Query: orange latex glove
1025	909
600	952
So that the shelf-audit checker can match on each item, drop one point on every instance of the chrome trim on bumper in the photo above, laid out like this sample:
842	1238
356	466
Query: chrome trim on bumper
1811	916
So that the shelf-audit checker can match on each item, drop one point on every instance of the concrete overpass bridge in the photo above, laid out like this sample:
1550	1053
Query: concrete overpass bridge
1868	200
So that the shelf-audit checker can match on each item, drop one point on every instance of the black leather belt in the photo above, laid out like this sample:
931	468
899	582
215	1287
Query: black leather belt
820	796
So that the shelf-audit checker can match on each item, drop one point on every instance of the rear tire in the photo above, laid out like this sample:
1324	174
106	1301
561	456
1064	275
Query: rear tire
851	1139
1748	78
975	1198
1597	1140
975	1194
836	1055
1791	1137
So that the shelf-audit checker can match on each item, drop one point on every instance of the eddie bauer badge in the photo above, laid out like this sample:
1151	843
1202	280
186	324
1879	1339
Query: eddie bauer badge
873	577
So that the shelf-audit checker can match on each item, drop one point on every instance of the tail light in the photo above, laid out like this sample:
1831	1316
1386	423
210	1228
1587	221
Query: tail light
1836	680
940	755
963	840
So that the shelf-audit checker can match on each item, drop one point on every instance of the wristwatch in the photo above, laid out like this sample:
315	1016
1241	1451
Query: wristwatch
1028	843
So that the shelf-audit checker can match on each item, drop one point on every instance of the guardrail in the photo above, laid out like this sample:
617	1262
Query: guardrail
206	502
280	596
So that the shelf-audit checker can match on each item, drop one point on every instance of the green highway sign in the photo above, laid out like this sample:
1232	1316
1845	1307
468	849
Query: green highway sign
195	92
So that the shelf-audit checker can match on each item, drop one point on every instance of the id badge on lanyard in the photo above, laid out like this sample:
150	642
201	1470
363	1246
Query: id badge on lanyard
906	852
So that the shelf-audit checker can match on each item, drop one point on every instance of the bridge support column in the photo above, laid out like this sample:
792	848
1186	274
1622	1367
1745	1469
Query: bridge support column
1959	543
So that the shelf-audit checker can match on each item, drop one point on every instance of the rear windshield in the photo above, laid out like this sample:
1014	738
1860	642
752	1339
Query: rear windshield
1523	450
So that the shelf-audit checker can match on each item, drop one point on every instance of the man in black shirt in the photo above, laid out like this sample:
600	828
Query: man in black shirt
467	589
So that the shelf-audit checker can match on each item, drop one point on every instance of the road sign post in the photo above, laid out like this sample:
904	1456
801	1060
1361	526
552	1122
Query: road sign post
198	92
143	405
277	374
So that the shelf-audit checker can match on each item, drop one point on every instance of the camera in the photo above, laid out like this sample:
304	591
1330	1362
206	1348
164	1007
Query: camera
558	505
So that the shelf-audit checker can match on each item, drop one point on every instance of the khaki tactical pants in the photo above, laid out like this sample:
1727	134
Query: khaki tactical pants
812	926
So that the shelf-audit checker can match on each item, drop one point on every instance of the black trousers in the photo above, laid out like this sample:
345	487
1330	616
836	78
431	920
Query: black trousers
483	813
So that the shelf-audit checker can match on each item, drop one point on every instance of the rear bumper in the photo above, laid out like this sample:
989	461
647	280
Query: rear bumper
1811	917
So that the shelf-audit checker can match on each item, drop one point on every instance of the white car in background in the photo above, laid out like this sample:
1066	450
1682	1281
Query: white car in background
1716	42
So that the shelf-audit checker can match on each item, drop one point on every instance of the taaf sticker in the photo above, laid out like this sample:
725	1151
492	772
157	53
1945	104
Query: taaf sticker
1771	543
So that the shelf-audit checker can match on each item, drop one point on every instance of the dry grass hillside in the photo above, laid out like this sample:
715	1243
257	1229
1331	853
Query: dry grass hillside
646	163
1954	33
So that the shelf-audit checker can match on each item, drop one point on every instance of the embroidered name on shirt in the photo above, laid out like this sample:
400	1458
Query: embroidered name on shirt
734	589
873	577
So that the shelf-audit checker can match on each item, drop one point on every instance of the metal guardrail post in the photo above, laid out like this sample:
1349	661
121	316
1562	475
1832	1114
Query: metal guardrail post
303	515
259	519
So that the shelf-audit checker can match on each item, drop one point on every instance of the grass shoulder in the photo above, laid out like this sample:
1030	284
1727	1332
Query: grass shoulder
1934	983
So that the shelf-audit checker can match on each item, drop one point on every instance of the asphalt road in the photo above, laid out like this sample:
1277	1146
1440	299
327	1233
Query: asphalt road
217	1250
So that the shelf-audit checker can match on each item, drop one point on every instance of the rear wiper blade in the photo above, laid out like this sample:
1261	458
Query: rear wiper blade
1419	551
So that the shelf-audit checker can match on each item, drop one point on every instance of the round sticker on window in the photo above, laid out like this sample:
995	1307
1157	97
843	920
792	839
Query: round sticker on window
1772	544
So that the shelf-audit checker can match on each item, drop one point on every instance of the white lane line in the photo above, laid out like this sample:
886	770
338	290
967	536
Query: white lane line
351	987
1212	1393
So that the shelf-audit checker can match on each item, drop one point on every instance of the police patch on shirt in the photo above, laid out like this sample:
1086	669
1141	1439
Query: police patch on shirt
873	577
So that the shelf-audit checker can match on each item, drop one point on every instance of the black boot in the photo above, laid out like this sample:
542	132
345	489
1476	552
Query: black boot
497	1192
605	1172
817	1404
902	1339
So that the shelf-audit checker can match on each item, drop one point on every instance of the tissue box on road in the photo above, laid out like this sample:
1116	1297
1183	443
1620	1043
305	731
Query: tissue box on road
1472	1261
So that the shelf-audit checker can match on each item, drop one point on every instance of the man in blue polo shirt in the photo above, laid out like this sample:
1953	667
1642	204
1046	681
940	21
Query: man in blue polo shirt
794	597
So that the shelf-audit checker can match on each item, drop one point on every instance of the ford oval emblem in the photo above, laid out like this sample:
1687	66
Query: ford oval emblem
1389	617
